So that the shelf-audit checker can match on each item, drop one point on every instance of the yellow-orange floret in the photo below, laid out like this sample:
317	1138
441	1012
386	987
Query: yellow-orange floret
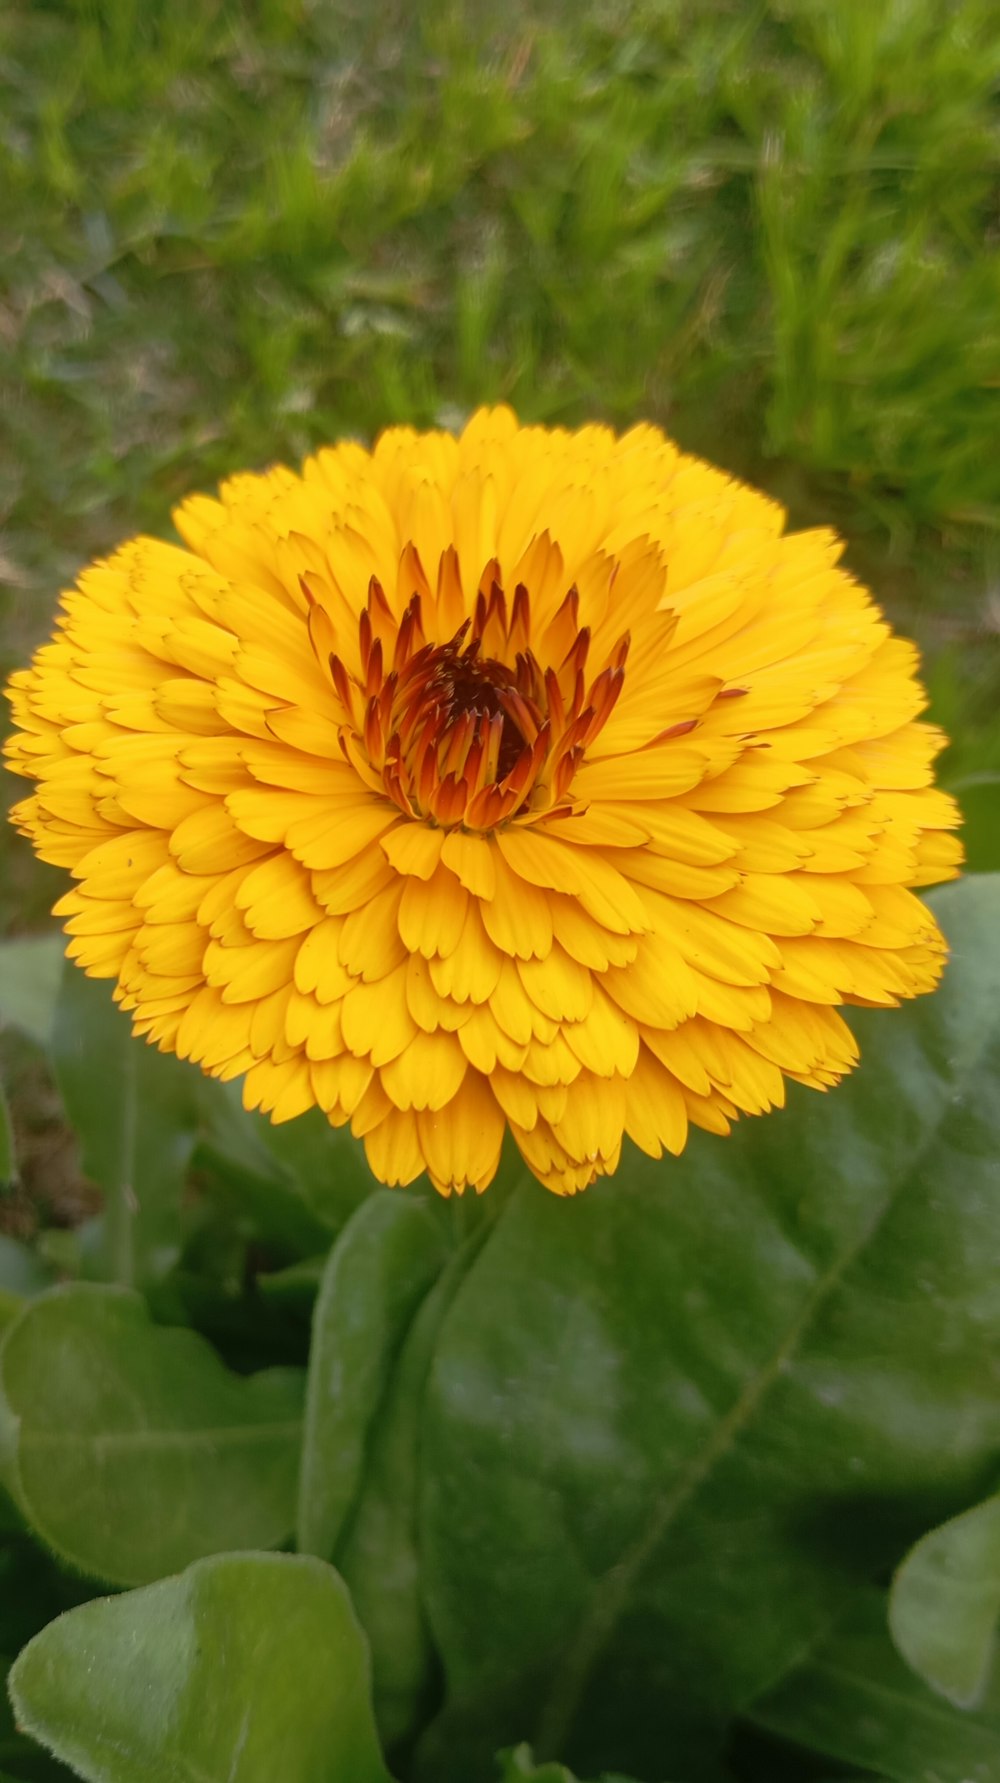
524	779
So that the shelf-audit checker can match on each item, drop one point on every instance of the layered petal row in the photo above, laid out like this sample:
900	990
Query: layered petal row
526	779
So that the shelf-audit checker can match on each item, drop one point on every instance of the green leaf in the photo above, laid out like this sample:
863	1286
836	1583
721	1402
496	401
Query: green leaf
945	1602
673	1422
131	1450
378	1272
135	1111
379	1554
30	971
246	1669
854	1700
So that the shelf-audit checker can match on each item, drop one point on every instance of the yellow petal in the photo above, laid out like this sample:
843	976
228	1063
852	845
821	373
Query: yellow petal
277	899
513	1008
657	988
210	842
370	946
412	848
471	971
592	1123
375	1021
117	867
517	917
557	985
461	1143
485	1044
426	1074
472	860
428	1008
606	1039
245	974
393	1149
318	966
431	914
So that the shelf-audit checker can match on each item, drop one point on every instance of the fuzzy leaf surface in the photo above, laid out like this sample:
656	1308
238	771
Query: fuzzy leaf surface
245	1669
130	1449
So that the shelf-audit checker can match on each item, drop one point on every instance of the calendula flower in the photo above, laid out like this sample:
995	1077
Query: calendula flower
526	778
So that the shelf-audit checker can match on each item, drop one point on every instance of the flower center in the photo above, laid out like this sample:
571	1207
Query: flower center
463	684
474	731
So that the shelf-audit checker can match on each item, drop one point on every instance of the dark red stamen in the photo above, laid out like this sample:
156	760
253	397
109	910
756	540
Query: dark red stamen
470	732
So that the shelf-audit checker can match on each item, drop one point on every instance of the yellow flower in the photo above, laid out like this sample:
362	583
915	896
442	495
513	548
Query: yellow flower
527	778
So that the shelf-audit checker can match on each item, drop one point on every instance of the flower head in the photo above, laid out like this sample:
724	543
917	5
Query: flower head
527	778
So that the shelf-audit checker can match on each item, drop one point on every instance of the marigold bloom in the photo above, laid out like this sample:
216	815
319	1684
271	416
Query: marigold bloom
527	778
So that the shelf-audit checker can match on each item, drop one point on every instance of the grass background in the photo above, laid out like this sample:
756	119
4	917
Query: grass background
229	232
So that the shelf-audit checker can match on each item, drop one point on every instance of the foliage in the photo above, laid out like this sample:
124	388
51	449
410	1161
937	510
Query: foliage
749	1421
108	1422
853	1700
945	1604
248	1666
612	1484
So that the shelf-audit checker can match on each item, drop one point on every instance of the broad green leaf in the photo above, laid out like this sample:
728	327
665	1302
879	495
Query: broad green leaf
378	1272
671	1422
248	1668
131	1450
945	1602
30	971
379	1553
855	1701
135	1111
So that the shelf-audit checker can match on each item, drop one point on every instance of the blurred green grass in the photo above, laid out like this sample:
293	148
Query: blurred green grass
228	232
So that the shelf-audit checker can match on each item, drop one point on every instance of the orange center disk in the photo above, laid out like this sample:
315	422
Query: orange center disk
463	738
